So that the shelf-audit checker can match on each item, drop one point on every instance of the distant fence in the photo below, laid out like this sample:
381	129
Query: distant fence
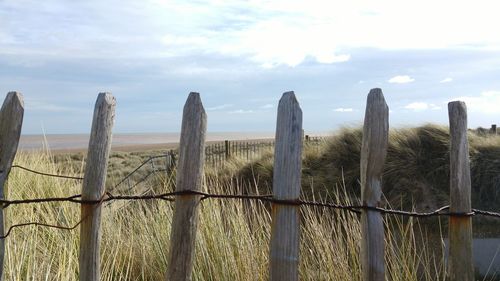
485	131
285	230
218	153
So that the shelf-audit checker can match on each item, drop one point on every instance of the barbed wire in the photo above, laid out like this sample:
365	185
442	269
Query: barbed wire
144	178
137	169
46	174
170	197
129	175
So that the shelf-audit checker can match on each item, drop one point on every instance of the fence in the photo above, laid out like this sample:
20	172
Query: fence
218	153
485	131
284	245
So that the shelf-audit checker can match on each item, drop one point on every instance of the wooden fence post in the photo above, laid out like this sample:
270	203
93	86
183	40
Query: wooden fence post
94	185
189	177
373	154
460	264
167	164
219	154
285	230
227	149
11	121
247	148
170	162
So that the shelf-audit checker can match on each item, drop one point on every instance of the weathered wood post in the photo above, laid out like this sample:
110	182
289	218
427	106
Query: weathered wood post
174	158
247	148
373	154
214	155
170	162
11	121
167	164
219	154
460	264
94	186
285	229
189	177
227	149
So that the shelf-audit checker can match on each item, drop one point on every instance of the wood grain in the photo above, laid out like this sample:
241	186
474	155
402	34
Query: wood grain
460	263
285	230
94	186
11	121
189	177
373	154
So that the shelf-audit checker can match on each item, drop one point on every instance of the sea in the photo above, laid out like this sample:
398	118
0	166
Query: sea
72	142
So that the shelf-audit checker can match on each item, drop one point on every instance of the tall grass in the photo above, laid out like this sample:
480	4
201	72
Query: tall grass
416	172
232	243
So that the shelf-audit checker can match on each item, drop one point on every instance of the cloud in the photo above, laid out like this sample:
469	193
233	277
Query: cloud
422	106
331	58
446	80
341	109
269	33
172	40
267	106
240	111
487	102
401	79
35	105
219	107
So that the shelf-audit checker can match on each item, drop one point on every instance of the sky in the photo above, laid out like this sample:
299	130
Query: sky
243	55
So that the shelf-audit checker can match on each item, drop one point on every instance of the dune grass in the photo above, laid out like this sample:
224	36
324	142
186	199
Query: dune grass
232	242
416	172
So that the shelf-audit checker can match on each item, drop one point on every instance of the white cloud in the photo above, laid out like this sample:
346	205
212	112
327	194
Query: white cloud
219	107
332	58
422	106
267	106
36	105
341	109
446	80
269	65
284	40
270	33
171	40
401	79
487	102
240	111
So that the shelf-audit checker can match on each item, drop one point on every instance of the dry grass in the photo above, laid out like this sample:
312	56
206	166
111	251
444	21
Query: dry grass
232	240
416	172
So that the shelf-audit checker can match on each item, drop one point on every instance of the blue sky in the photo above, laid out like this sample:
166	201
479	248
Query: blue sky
242	55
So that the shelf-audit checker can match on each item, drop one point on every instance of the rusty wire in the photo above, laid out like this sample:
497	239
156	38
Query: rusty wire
137	168
46	174
170	196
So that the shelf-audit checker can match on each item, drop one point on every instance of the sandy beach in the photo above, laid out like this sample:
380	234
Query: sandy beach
126	142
